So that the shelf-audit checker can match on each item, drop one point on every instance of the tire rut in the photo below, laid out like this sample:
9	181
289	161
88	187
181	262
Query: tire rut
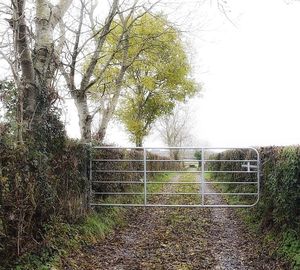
176	239
231	243
155	238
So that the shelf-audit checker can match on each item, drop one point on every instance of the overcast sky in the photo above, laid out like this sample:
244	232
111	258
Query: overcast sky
252	87
250	72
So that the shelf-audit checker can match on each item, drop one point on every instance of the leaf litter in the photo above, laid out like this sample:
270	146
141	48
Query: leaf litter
177	239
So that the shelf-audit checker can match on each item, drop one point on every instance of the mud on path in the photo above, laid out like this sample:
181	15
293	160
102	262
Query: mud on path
176	239
232	245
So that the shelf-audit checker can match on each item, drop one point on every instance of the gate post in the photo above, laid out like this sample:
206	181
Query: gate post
88	175
202	176
145	176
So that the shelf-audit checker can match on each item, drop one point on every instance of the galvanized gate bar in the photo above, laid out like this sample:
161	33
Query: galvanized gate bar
145	176
251	166
202	177
167	160
114	171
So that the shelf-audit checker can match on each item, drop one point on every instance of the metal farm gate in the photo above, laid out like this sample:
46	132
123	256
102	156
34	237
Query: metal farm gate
174	176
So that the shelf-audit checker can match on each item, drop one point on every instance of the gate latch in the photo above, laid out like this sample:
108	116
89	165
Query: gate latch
249	166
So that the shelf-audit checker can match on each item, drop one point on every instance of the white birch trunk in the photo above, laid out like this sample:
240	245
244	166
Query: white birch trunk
38	64
108	112
85	120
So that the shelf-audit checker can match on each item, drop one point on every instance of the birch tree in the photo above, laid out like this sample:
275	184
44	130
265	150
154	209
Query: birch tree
88	41
28	45
121	49
89	56
45	40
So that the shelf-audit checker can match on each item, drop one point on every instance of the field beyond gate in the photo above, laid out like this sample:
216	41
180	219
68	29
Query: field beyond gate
128	179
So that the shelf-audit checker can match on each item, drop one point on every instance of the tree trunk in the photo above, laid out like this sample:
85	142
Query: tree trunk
174	153
85	119
107	116
110	110
103	126
27	89
45	56
37	66
138	141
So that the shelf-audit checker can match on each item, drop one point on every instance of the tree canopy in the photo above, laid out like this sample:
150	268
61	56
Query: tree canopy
158	77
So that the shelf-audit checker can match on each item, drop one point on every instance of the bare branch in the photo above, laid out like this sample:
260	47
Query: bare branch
75	49
13	69
59	11
105	30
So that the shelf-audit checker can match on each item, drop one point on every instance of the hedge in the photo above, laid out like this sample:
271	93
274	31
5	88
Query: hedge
37	188
279	204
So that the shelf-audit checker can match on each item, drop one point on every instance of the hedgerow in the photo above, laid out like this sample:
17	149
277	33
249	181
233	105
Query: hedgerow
34	189
44	190
278	210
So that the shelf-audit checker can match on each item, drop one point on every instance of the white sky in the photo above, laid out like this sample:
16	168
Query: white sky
252	88
250	73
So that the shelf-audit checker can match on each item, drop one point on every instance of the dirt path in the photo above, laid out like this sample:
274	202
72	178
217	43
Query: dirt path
231	244
176	239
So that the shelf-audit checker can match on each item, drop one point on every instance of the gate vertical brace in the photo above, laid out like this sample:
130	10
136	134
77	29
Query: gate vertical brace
90	157
202	176
145	177
258	176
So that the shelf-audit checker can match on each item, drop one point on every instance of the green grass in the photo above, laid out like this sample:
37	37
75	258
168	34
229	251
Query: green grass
162	177
175	216
61	238
138	199
234	188
186	188
284	243
98	225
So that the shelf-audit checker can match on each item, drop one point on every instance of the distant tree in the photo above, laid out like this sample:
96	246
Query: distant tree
175	129
198	156
156	80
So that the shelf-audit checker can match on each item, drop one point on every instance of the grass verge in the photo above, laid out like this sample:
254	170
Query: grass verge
282	242
62	238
